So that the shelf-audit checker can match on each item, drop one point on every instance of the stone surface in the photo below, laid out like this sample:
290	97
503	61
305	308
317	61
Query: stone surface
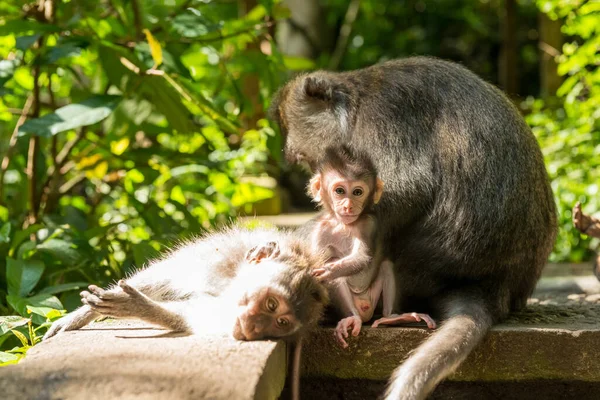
555	338
130	360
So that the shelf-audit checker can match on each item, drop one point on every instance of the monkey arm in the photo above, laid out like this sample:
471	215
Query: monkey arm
73	321
358	259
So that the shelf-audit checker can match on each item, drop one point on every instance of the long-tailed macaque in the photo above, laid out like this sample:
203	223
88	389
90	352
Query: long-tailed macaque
346	187
252	284
468	217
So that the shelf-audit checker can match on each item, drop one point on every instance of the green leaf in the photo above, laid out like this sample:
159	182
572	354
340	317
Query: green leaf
22	338
8	358
143	252
88	112
5	233
298	63
25	42
20	236
64	287
65	48
193	25
7	70
23	275
23	305
20	26
9	322
65	252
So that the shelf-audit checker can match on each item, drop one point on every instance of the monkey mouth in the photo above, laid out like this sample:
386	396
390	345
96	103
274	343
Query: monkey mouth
238	330
348	218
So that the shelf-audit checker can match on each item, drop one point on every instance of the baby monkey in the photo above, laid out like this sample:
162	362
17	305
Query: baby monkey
347	188
251	284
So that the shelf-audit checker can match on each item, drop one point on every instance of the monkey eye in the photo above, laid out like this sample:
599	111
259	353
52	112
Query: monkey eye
282	322
357	192
272	304
340	190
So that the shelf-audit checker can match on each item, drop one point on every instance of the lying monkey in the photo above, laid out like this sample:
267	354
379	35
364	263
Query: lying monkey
253	284
346	186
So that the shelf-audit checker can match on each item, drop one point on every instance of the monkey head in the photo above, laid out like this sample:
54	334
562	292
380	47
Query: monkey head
346	183
279	297
314	111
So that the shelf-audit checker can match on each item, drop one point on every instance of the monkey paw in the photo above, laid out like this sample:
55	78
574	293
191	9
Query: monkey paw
396	319
258	253
341	331
584	223
125	301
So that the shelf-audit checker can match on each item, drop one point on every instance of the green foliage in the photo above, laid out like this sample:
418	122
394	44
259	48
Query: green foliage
138	130
568	128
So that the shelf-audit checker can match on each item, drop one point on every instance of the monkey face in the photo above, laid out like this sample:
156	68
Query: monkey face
348	197
265	313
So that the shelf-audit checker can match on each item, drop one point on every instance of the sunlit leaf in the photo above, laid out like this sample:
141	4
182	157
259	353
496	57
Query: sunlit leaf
22	338
23	275
155	48
7	70
21	304
8	322
72	116
9	358
298	63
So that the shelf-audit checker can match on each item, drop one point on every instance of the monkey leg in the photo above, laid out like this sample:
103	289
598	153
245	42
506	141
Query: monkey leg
73	321
400	319
127	302
586	224
467	322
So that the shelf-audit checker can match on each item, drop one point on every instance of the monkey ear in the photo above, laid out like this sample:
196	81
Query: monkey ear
314	188
336	96
259	253
378	190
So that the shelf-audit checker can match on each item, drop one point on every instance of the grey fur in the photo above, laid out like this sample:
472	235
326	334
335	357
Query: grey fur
468	216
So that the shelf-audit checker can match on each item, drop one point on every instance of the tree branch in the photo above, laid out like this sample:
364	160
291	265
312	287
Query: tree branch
137	18
12	143
342	42
32	154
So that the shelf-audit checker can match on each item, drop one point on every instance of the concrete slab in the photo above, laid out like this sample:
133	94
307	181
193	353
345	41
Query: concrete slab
131	360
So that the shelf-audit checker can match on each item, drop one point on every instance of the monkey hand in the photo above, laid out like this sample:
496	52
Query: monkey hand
322	274
122	302
352	323
72	321
396	319
328	272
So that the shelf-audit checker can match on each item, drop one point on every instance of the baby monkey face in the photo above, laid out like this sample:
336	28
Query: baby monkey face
348	196
265	313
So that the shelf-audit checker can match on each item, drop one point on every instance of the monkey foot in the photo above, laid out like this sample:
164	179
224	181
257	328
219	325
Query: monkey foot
584	223
341	331
402	319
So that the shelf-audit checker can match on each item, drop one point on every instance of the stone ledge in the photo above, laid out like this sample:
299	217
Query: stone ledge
130	360
511	352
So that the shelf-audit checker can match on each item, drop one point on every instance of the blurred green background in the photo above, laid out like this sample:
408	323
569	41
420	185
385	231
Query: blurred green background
127	125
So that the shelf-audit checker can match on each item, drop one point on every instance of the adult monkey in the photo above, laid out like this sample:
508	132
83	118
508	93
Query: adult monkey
468	216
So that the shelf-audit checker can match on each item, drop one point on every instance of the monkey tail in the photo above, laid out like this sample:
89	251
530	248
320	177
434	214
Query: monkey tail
467	322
